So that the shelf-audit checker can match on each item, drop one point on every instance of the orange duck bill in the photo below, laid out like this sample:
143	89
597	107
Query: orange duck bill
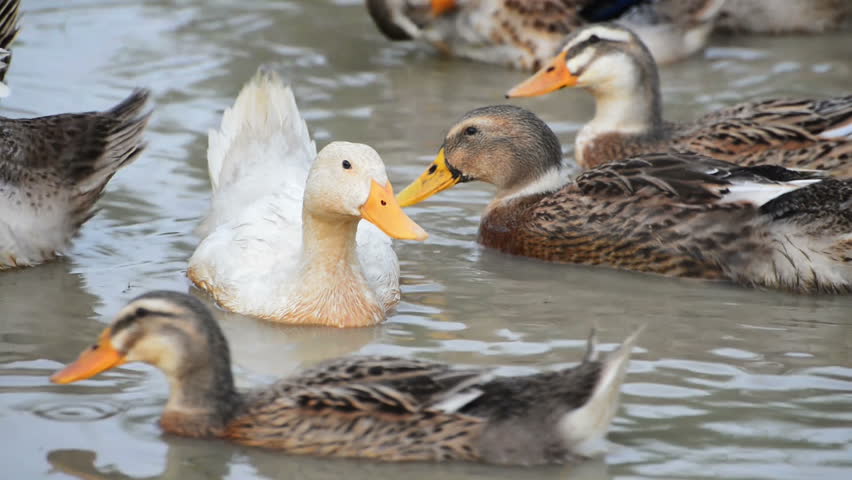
91	362
439	7
382	210
552	76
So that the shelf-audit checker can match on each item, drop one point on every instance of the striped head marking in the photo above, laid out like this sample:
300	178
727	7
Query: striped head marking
600	57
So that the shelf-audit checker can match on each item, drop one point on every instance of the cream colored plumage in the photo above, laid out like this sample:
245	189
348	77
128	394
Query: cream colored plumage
262	254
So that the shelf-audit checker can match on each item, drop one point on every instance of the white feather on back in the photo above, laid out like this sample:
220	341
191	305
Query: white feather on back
840	132
258	163
760	193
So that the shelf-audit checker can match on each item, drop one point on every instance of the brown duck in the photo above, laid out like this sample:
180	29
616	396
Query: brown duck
383	408
526	33
673	214
612	63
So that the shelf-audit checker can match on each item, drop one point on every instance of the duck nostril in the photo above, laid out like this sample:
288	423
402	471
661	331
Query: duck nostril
432	169
384	203
550	69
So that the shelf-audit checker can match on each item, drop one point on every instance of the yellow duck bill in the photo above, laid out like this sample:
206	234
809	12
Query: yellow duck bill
552	76
437	178
382	210
92	361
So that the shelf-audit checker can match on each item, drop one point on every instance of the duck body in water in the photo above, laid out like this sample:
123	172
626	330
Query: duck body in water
383	408
614	65
682	215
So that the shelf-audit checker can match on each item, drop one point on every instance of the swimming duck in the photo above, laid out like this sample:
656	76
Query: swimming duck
8	31
613	65
54	169
673	214
789	16
383	408
280	240
524	34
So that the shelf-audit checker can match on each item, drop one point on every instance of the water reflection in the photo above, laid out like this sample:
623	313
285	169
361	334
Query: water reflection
185	460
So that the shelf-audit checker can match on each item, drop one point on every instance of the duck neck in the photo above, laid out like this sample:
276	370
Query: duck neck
332	288
631	107
550	180
203	399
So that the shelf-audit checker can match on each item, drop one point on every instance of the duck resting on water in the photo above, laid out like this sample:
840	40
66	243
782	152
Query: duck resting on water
613	64
381	408
674	214
284	238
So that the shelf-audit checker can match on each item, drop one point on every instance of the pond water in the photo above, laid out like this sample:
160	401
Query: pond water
727	382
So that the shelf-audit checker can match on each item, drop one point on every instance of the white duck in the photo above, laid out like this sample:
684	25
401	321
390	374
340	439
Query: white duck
268	253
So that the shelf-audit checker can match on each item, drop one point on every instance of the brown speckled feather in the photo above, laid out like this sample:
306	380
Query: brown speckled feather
794	133
783	132
662	214
391	408
780	132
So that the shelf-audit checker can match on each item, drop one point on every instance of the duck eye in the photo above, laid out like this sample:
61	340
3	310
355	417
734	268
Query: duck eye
142	312
594	39
346	165
471	131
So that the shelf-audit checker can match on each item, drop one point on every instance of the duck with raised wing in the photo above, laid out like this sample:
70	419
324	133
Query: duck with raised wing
526	33
673	214
54	169
280	239
382	408
9	11
612	63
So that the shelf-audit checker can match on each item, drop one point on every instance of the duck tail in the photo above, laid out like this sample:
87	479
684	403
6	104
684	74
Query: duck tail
117	142
265	107
113	139
585	428
110	140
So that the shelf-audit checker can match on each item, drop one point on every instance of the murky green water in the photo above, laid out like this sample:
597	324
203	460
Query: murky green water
729	383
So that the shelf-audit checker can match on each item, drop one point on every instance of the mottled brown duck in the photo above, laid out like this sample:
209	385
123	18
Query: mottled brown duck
54	169
673	214
524	34
383	408
615	67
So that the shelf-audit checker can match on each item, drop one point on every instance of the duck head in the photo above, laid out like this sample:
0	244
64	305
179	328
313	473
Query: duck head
506	146
348	180
171	331
603	58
